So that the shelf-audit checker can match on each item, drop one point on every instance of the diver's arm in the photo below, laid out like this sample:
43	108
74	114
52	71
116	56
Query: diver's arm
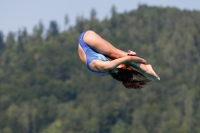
108	65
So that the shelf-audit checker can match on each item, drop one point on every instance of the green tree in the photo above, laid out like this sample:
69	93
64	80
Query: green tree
20	44
66	20
93	19
80	23
53	29
38	31
2	45
10	40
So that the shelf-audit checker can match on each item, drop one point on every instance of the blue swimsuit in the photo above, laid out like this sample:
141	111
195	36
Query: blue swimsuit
91	54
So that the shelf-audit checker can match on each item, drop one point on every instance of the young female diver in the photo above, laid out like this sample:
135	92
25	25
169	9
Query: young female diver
93	51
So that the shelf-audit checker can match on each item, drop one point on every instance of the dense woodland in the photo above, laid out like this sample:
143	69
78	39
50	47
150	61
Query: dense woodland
45	88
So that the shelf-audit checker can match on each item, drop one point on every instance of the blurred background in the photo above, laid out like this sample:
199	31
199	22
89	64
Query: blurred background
44	87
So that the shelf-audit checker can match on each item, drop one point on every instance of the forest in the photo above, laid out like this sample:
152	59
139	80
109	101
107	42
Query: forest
45	88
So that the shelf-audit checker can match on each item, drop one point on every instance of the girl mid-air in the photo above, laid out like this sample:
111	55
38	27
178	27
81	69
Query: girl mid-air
103	58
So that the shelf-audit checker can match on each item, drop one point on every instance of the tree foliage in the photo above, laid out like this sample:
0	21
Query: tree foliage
44	87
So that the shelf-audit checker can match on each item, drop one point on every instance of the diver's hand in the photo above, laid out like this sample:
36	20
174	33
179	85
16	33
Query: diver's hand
138	59
131	53
143	61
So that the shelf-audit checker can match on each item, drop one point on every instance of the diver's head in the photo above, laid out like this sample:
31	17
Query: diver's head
129	77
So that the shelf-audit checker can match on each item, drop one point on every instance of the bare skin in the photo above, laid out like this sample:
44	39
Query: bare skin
119	57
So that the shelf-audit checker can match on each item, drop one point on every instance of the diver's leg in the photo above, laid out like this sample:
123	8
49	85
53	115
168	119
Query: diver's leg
102	46
145	69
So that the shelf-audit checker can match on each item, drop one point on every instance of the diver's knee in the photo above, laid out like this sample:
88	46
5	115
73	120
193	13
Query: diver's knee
90	36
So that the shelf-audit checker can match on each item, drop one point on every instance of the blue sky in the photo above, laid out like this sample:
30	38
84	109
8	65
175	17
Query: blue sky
17	14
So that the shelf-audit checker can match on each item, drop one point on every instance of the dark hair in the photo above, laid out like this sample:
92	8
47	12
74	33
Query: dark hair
130	78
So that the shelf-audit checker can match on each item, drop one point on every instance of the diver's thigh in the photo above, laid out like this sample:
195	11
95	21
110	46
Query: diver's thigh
98	43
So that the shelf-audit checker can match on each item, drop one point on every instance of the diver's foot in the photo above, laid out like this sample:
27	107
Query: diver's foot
152	72
149	72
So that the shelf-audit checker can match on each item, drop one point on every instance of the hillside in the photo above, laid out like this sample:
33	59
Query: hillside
45	88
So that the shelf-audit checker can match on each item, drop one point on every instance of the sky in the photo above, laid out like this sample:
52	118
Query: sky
19	14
